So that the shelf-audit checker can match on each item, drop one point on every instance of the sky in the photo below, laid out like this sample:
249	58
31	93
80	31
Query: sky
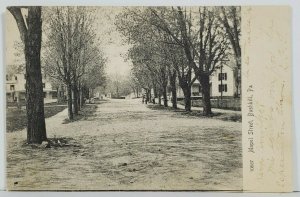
113	44
111	40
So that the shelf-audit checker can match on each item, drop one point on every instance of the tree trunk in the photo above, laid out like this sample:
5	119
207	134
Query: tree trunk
174	99
78	101
204	81
70	111
237	74
57	94
165	96
187	97
32	37
155	91
81	96
236	83
75	98
173	89
159	97
87	93
149	97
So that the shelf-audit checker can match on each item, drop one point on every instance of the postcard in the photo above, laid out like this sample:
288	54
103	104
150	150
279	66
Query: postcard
168	98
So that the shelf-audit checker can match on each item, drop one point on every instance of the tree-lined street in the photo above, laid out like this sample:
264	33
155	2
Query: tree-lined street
155	127
127	145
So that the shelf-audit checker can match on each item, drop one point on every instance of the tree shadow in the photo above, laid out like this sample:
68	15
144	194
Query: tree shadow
233	117
87	111
55	142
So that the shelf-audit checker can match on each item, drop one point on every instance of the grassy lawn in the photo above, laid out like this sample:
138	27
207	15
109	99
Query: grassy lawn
16	118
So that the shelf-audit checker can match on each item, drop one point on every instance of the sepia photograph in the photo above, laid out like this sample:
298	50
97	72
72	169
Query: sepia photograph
123	98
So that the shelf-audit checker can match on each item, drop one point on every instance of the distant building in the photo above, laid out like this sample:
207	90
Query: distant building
15	88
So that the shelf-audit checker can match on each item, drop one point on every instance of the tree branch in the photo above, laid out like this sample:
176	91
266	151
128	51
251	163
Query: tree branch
17	14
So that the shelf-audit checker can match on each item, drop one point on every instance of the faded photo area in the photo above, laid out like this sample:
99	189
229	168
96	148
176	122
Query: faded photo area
123	98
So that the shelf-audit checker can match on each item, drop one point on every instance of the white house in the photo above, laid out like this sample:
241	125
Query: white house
15	88
222	83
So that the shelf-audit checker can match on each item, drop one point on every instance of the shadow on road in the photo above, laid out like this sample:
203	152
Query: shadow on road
87	111
234	117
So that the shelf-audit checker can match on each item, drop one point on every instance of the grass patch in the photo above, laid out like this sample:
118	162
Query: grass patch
23	104
16	118
233	117
14	104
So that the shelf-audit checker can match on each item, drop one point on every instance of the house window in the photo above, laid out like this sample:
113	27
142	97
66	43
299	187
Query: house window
45	94
223	88
12	87
6	77
43	85
16	78
222	76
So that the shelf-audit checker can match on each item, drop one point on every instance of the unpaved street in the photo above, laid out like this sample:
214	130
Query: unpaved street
126	145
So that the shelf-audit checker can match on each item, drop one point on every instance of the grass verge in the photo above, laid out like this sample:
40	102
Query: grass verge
16	118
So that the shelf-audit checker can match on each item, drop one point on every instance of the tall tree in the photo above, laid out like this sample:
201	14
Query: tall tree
94	73
144	78
135	85
231	20
148	56
30	29
146	51
72	47
210	48
202	40
184	73
160	25
59	51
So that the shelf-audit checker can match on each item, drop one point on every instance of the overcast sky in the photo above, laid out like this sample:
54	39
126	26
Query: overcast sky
112	44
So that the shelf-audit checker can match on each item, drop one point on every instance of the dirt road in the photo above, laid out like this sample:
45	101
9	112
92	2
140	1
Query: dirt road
125	145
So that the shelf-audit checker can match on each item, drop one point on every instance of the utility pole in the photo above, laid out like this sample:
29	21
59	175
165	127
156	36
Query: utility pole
221	82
